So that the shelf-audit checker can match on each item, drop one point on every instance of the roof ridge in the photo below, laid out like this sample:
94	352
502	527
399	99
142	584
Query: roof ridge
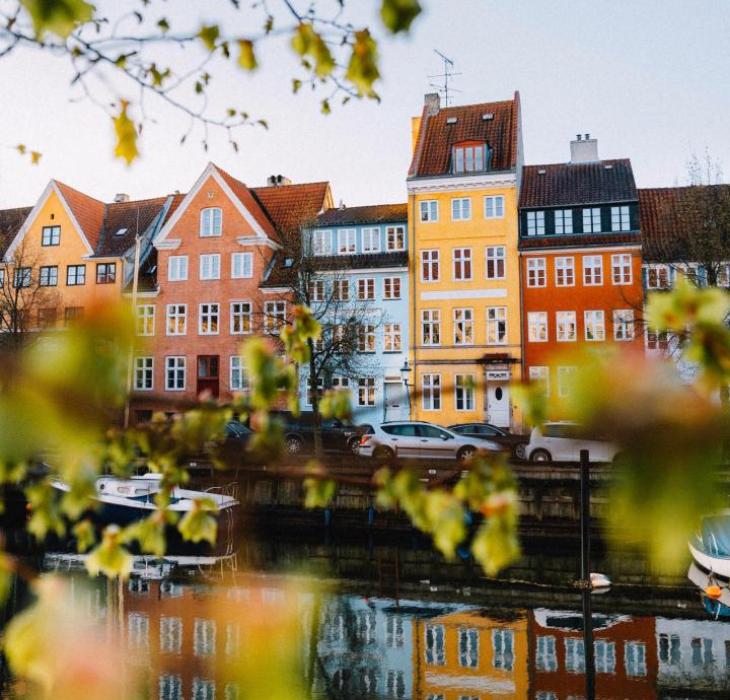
73	189
564	163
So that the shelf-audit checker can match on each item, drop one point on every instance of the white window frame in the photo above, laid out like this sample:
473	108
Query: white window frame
495	257
540	374
496	325
208	228
144	373
430	210
145	320
178	365
592	220
366	341
623	325
658	270
321	242
212	312
464	394
396	234
621	218
245	317
214	264
366	391
317	290
565	271
594	320
461	209
460	257
177	268
337	287
431	261
431	392
536	273
392	337
537	326
592	272
274	316
172	313
536	223
622	269
366	288
392	288
563	219
563	322
432	318
463	325
564	374
346	241
241	266
494	206
371	236
237	370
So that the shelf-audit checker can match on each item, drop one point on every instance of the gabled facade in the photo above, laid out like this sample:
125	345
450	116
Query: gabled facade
360	260
465	307
580	257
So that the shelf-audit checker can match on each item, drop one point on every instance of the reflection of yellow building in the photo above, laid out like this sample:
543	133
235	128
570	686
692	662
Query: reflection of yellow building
465	309
465	654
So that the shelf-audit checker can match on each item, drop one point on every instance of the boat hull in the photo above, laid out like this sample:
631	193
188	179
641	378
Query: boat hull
720	566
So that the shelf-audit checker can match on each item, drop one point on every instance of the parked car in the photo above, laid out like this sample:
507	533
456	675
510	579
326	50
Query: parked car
514	443
337	435
417	440
562	441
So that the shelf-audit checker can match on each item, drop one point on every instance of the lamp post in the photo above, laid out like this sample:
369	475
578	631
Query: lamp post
405	373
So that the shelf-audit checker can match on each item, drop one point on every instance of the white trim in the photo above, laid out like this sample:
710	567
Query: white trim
257	241
52	186
275	290
586	250
172	244
456	183
364	271
465	294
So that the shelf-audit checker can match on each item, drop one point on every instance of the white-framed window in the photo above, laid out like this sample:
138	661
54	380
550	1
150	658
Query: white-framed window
575	658
366	337
592	220
503	644
656	340
176	319
145	319
429	210
635	658
431	392
171	634
535	223
565	325
319	388
392	337
468	647
341	290
430	265
494	207
177	268
316	290
391	288
431	327
175	373
536	275
592	270
274	316
563	221
366	391
435	643
623	324
395	238
564	271
495	268
366	288
620	219
204	637
394	633
241	265
621	268
208	318
595	325
211	222
138	630
395	684
238	381
346	241
471	158
658	277
462	264
170	686
604	653
210	266
464	392
546	659
241	317
540	374
143	373
371	239
340	383
463	327
537	326
461	209
321	242
497	325
565	380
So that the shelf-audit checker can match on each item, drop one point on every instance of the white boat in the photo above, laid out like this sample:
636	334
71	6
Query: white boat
126	500
710	546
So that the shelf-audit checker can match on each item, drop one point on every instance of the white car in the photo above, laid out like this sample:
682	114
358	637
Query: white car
417	440
562	441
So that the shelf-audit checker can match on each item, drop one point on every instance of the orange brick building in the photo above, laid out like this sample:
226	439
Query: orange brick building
580	261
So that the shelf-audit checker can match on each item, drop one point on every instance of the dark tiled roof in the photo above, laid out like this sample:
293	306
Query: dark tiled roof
282	276
291	207
672	217
567	184
89	212
10	222
432	155
372	214
579	240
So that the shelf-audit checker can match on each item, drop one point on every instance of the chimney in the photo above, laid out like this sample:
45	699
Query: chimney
584	149
277	181
432	101
121	197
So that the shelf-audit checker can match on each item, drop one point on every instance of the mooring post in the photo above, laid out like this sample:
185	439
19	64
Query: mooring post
585	573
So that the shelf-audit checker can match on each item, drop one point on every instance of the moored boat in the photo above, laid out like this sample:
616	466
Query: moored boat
710	545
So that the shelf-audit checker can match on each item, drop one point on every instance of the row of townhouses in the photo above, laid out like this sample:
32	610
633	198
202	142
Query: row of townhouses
432	308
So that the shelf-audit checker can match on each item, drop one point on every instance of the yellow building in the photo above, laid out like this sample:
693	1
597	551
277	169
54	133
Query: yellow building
465	289
467	655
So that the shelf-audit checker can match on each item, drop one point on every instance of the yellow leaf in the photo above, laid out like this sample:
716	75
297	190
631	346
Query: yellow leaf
397	15
59	17
362	70
209	35
35	157
247	56
21	149
126	135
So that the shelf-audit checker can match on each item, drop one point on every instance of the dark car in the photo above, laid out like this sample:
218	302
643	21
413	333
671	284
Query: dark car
337	435
487	431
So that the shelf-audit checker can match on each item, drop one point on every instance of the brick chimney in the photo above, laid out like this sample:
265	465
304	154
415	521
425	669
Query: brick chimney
432	101
584	149
277	180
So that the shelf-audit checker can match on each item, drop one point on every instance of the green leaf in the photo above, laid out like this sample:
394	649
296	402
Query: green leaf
85	535
150	533
326	109
246	55
296	85
209	35
495	545
198	525
306	42
362	70
59	17
126	136
318	493
163	25
398	15
110	557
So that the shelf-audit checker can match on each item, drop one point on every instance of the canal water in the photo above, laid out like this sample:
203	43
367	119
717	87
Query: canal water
385	619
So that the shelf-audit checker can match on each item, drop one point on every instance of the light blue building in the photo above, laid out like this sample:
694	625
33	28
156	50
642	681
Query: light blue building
360	288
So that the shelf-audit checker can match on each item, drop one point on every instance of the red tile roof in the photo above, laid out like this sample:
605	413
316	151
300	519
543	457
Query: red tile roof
290	207
436	137
672	216
571	184
372	214
89	212
10	222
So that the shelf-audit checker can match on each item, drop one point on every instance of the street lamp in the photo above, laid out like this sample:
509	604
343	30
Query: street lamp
405	373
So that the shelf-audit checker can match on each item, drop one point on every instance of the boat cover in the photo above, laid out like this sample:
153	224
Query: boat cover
716	536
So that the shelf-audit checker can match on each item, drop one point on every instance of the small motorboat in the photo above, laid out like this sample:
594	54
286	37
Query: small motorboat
125	500
710	546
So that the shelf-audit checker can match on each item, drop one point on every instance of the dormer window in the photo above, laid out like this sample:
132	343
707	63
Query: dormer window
470	157
210	222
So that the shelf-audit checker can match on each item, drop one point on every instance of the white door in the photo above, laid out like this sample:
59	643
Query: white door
396	401
498	412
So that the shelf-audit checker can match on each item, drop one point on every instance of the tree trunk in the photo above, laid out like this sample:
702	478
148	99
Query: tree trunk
314	397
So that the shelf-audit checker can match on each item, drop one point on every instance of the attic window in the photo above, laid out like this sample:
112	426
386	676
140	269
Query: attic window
451	120
288	262
471	157
608	167
121	232
542	171
487	117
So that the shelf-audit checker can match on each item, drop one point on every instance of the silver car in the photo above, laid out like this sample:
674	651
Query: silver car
417	440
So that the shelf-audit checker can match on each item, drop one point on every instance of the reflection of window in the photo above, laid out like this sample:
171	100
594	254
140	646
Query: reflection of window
702	653
545	656
170	687
204	637
365	626
394	631
232	692
669	649
233	638
395	684
435	650
635	658
138	630
575	661
469	648
605	656
503	644
203	689
171	630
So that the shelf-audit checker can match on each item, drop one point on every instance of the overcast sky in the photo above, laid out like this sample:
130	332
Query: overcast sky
648	78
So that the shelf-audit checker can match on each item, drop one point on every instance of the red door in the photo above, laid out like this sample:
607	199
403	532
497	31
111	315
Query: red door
208	374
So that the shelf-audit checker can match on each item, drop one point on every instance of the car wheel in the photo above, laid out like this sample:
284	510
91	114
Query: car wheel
541	456
465	454
353	445
384	454
518	452
294	445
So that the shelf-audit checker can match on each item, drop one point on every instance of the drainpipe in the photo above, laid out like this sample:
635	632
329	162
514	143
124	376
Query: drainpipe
130	359
413	263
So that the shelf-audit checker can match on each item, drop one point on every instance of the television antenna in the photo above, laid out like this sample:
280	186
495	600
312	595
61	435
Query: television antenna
444	88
